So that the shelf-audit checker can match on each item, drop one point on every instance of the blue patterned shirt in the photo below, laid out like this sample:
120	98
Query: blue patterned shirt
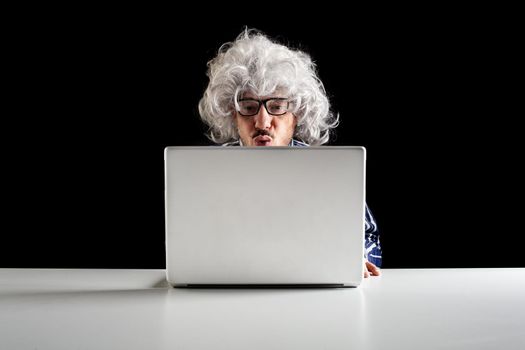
373	252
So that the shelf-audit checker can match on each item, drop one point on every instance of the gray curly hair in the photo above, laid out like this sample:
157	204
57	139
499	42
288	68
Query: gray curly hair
257	64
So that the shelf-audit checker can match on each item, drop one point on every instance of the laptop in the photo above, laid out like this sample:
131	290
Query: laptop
264	216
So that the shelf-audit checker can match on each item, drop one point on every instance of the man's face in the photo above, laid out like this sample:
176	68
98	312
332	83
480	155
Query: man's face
263	128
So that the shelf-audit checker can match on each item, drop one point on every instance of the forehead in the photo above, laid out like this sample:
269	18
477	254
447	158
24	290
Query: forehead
251	94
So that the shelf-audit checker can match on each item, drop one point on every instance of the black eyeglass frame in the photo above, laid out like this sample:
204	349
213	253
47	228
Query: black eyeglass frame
264	102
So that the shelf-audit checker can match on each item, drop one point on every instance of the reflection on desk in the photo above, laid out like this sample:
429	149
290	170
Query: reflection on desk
135	309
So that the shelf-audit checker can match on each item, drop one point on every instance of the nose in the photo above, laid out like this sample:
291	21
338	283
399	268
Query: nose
263	120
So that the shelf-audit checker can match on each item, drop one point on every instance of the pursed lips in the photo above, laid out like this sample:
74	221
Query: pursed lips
262	140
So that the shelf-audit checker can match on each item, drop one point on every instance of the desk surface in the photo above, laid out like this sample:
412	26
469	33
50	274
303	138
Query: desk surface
134	309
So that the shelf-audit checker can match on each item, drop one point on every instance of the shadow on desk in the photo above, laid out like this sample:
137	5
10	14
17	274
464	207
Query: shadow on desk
262	286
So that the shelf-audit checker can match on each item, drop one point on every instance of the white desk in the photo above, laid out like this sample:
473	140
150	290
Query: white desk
134	309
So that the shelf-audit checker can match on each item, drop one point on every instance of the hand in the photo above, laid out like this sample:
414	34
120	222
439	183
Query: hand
371	269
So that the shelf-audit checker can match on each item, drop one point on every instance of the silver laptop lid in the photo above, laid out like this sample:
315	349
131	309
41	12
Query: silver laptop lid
265	215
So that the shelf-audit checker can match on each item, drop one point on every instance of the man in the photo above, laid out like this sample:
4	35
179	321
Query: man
262	93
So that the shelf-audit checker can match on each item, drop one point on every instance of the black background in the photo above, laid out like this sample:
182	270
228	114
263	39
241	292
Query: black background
95	104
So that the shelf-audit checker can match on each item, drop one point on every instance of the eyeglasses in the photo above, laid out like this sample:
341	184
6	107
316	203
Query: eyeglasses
275	106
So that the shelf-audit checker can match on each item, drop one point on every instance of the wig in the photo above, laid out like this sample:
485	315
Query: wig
261	66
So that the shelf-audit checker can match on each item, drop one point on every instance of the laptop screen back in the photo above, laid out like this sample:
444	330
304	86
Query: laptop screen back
265	215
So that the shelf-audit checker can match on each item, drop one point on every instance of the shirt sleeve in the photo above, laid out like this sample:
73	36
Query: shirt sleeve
373	252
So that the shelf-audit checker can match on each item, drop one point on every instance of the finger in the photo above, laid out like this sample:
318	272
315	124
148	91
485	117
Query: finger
373	269
366	273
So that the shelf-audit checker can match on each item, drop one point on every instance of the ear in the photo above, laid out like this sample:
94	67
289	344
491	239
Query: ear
234	117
